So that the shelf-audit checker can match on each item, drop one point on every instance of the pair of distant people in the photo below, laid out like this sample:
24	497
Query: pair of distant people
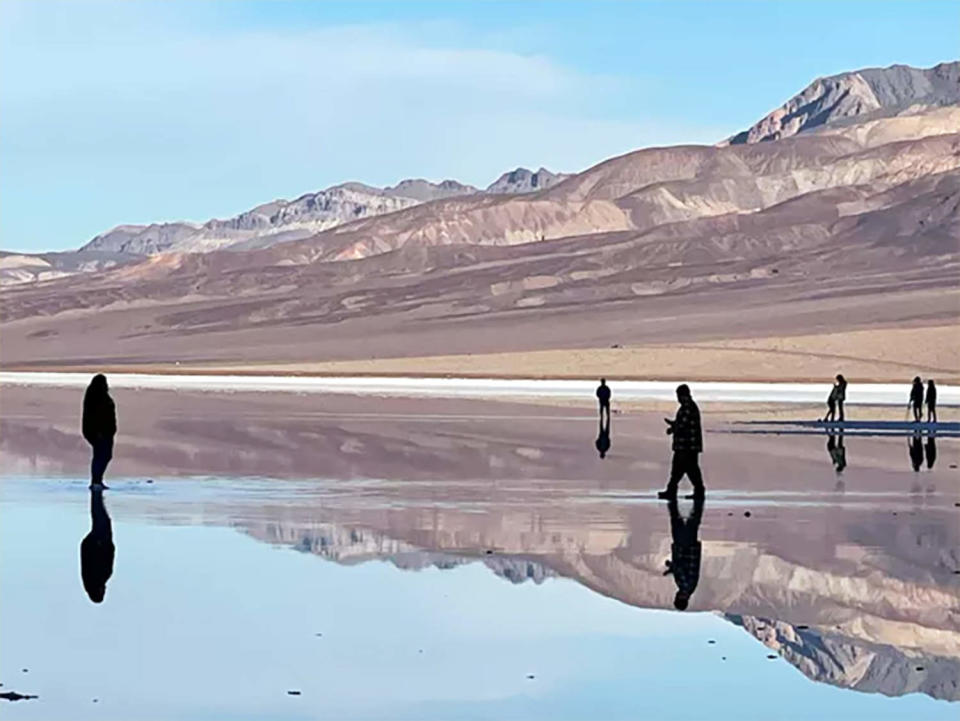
917	400
836	399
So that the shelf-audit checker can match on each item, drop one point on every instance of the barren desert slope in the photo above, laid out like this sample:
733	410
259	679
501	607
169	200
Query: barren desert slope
834	248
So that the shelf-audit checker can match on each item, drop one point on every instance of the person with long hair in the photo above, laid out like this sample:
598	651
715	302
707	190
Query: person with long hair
99	426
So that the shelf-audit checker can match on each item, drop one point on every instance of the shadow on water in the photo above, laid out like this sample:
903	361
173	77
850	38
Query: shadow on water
97	549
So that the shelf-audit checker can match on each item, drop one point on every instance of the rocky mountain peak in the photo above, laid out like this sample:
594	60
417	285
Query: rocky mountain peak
869	92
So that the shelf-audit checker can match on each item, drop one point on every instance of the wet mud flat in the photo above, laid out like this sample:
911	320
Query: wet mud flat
371	558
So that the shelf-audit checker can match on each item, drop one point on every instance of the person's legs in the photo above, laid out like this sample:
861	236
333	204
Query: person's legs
694	474
831	412
917	413
932	413
102	454
676	473
840	409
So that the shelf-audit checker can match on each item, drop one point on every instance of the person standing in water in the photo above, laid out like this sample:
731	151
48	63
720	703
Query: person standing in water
99	426
97	549
831	406
916	399
931	401
841	395
687	445
603	396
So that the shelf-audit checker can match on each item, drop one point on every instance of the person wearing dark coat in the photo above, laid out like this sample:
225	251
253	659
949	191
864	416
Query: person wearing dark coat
687	445
99	426
603	396
840	395
916	399
685	551
97	549
931	401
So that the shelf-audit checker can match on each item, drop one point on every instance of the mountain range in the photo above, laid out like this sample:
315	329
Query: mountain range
845	199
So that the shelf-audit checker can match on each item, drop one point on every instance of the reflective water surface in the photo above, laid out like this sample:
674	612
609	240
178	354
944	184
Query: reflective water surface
468	560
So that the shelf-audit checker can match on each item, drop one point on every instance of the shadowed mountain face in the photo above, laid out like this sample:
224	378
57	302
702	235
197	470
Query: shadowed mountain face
872	92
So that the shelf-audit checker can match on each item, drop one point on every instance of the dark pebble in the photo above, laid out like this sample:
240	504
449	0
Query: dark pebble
419	650
953	465
149	480
894	513
723	658
293	693
746	514
802	627
489	552
25	670
711	641
730	514
530	676
919	668
318	634
771	655
96	700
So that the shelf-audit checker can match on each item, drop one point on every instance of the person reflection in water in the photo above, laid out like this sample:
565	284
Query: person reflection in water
931	451
603	438
603	396
686	550
99	426
837	451
687	445
915	447
97	549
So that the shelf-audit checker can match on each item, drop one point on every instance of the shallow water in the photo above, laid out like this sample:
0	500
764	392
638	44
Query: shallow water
525	582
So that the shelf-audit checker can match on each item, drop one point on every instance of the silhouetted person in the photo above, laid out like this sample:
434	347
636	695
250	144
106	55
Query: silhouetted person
99	426
603	438
831	405
915	446
931	401
97	549
841	395
931	450
603	396
916	399
687	445
838	454
685	551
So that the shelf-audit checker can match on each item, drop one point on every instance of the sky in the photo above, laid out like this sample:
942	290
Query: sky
138	112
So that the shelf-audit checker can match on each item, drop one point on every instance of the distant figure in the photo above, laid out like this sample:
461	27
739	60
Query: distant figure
838	454
603	395
831	405
687	445
685	551
99	426
916	399
97	549
603	439
915	447
931	401
841	395
931	451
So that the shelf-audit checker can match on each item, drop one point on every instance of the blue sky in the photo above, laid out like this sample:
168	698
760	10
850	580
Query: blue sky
138	112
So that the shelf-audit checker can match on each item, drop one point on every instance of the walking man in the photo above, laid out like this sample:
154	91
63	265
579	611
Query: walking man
687	445
603	395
